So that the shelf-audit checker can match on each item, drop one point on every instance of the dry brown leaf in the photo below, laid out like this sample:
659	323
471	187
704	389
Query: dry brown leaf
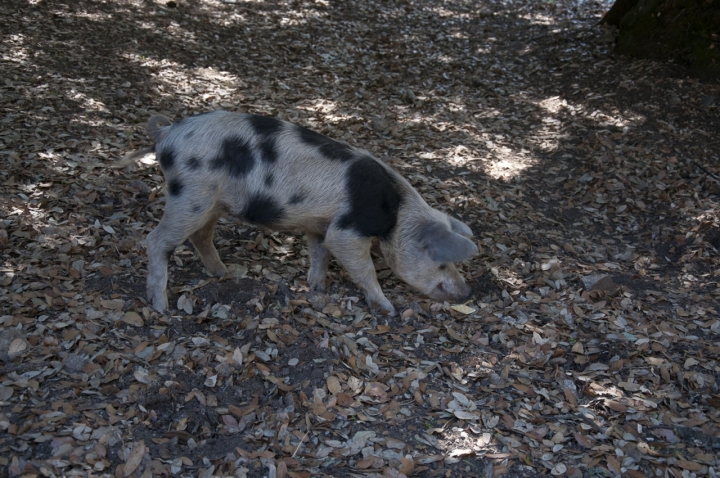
463	309
17	347
407	466
583	440
133	318
366	462
381	329
630	386
114	304
281	469
616	406
135	458
333	385
689	465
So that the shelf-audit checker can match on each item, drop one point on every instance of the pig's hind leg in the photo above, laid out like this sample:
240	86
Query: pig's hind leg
202	240
177	224
319	260
353	253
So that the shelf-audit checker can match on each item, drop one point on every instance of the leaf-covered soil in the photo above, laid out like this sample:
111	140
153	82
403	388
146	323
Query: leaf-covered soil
590	345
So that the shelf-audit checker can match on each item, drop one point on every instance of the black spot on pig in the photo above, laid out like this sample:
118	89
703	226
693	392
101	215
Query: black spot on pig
263	210
311	137
269	180
374	199
175	187
268	152
296	198
264	125
193	163
167	159
235	157
330	148
196	208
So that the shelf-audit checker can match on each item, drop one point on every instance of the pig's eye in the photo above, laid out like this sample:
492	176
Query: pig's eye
440	287
442	267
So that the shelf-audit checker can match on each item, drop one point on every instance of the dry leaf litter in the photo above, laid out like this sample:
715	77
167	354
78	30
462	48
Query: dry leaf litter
590	347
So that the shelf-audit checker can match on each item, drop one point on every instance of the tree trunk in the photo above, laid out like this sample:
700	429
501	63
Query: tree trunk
687	31
618	11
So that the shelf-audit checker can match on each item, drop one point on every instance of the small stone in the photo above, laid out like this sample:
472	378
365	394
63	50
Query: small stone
408	97
318	300
12	344
379	124
74	363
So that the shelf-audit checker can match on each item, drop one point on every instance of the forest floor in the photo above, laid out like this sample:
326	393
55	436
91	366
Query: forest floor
590	346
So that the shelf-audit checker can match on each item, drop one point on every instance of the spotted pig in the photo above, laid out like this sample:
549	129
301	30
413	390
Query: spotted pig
278	175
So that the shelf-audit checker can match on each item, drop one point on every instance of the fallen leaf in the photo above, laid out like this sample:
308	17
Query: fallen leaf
133	318
463	309
407	466
17	347
185	304
135	458
333	385
583	440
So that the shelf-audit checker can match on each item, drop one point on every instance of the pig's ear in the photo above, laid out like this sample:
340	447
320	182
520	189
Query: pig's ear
156	124
460	227
444	245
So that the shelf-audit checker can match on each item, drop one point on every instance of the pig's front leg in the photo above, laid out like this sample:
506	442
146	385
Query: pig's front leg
353	253
319	260
202	239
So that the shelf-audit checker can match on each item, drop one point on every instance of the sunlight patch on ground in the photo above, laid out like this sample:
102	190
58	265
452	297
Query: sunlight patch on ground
324	112
215	88
500	162
142	60
553	104
556	105
214	74
327	108
299	18
506	167
539	19
443	12
18	54
87	102
551	133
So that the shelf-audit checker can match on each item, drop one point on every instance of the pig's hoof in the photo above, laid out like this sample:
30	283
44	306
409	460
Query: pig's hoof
384	311
218	271
160	305
316	283
159	301
386	307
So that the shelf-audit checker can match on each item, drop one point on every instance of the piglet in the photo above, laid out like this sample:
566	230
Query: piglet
278	175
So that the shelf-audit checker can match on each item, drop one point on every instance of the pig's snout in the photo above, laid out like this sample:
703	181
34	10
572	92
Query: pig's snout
465	292
458	290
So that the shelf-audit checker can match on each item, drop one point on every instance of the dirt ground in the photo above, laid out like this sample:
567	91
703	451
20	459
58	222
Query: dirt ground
589	346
